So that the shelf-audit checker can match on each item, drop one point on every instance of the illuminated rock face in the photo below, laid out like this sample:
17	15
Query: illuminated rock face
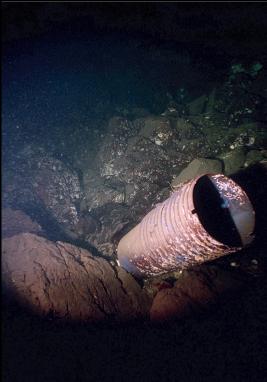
62	281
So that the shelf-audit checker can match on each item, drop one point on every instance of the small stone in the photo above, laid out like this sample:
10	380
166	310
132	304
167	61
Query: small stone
234	264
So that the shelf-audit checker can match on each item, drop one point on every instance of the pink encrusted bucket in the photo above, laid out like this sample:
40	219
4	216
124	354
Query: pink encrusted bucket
207	217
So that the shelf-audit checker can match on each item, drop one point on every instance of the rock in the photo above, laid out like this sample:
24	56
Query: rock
254	156
133	168
139	112
194	291
138	159
157	128
132	112
187	130
134	157
233	160
263	163
211	102
99	192
252	135
39	182
198	105
198	167
59	280
237	101
187	295
111	219
16	221
249	127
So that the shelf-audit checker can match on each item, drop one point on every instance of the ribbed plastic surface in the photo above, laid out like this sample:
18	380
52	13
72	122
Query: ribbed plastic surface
171	236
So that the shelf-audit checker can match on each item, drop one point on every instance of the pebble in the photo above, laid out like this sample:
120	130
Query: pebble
234	264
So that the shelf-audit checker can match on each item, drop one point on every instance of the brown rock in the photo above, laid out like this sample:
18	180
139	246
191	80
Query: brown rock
185	297
16	221
197	167
192	292
64	281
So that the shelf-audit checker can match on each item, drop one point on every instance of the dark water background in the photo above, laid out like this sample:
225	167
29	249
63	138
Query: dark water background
53	84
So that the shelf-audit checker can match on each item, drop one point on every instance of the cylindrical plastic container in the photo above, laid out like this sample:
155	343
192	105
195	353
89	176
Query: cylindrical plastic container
206	218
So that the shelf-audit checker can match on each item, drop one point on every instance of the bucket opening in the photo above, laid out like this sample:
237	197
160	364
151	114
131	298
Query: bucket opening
215	213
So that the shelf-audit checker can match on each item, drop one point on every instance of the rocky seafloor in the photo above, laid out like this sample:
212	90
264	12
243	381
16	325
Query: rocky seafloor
80	173
71	313
64	212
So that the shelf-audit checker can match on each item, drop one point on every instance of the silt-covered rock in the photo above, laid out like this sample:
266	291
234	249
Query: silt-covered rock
61	281
44	186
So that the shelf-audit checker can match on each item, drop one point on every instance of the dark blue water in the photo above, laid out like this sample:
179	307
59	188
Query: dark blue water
52	84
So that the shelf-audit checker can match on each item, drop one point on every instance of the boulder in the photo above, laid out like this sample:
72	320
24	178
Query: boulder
138	159
59	280
16	221
198	167
45	186
110	220
198	105
134	163
194	291
99	192
187	129
134	152
211	102
254	156
233	160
